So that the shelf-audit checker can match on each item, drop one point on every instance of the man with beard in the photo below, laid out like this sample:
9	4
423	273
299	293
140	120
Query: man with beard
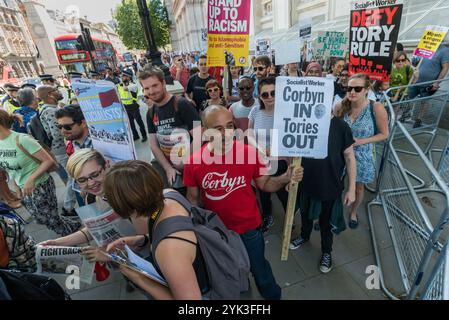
170	125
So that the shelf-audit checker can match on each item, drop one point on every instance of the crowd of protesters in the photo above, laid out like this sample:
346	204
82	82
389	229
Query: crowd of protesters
223	104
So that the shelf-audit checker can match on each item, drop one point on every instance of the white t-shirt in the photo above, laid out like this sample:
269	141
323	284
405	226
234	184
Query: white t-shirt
241	113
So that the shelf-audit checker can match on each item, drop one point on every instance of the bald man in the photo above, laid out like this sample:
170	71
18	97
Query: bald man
220	175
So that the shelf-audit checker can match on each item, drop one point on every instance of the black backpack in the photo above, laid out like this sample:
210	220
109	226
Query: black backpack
36	129
29	286
225	256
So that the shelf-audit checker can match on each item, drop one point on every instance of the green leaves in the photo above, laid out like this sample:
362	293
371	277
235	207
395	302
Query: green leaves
130	27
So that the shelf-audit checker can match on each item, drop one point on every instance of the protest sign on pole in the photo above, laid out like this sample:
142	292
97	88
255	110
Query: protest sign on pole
302	118
331	44
106	118
203	38
374	31
431	41
263	48
288	52
305	29
228	33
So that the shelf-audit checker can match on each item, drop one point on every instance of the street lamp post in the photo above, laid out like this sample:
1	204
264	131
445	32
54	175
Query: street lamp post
153	53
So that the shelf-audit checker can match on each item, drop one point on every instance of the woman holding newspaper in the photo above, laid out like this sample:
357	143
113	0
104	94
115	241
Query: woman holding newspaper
88	167
135	189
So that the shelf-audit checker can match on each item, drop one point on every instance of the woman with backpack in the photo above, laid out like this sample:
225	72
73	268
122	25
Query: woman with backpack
369	124
135	189
27	163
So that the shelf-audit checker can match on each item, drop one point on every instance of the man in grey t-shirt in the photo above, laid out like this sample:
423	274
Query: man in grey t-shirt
430	70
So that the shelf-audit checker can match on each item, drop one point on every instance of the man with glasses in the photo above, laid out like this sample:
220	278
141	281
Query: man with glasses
241	109
74	128
261	69
196	87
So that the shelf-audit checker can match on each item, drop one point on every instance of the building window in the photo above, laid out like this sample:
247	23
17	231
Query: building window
14	21
268	8
7	19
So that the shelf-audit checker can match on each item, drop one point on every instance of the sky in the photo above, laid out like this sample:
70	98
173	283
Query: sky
96	11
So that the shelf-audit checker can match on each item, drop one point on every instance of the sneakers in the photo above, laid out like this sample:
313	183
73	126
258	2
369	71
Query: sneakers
326	263
268	222
144	139
296	243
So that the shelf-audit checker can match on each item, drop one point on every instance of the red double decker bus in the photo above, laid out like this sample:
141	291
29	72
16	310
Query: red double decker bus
73	56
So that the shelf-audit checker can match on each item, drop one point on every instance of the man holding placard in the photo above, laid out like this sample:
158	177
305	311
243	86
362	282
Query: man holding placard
306	129
434	65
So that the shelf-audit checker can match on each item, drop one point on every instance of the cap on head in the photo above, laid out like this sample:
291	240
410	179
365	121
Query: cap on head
11	87
75	75
127	73
47	77
28	85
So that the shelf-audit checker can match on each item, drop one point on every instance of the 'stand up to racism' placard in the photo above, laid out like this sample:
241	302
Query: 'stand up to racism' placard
302	117
373	36
228	32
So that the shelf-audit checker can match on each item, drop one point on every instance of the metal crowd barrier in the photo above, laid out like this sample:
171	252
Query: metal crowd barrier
437	288
428	109
415	240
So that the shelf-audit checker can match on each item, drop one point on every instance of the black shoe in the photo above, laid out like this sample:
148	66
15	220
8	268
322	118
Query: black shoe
326	263
417	124
354	224
136	138
144	139
69	214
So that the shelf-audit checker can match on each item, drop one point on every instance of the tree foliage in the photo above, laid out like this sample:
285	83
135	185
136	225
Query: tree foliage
129	25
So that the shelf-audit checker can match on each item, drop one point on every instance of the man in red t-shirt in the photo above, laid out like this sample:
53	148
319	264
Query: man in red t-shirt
220	175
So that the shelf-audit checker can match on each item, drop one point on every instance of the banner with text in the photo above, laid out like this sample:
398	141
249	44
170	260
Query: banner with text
302	117
431	41
331	44
106	118
228	32
373	36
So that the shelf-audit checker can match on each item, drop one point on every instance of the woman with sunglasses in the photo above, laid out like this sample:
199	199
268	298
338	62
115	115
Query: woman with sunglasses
27	164
261	122
401	74
368	121
214	93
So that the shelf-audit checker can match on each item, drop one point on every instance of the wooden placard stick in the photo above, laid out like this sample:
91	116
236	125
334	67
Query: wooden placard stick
290	213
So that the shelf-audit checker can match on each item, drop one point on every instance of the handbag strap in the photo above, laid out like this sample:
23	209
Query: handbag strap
25	151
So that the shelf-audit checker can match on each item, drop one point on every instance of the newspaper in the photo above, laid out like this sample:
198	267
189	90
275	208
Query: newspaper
52	259
131	260
103	224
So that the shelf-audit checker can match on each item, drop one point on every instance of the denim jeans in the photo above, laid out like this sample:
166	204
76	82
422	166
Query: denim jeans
260	267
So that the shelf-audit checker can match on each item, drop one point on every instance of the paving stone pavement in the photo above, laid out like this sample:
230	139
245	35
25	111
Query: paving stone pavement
299	277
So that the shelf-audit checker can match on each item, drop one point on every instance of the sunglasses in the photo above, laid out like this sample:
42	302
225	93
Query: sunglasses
93	176
401	60
259	68
266	95
213	90
67	127
356	89
245	88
